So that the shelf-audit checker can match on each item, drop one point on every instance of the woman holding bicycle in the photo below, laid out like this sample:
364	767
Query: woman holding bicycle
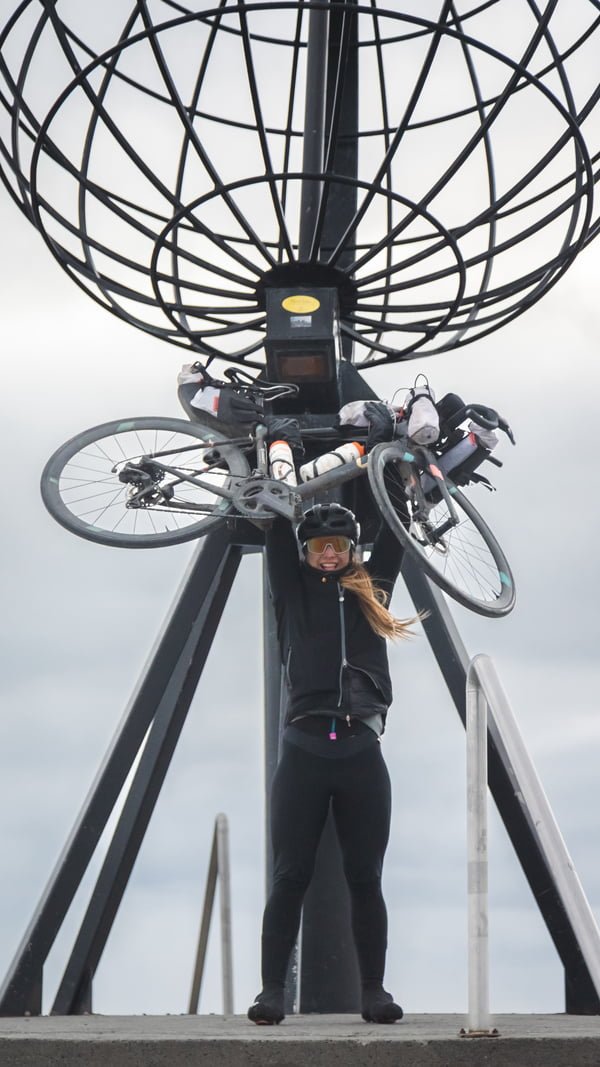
333	623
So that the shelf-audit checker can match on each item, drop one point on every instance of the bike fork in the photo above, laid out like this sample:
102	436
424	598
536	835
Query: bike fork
435	535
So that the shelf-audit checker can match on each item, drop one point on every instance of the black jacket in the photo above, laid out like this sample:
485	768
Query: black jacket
334	661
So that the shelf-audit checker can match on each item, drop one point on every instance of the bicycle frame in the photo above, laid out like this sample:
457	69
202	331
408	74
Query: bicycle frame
258	497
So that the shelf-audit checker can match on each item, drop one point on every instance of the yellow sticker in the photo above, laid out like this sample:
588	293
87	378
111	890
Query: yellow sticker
300	304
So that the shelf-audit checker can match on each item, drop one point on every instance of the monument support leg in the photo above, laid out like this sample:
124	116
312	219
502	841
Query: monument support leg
314	127
329	976
453	661
274	685
74	993
272	696
21	991
329	981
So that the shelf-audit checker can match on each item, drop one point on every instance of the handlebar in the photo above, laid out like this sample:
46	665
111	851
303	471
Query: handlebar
483	416
263	391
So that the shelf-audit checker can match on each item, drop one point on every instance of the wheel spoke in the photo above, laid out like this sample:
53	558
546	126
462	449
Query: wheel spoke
86	495
467	563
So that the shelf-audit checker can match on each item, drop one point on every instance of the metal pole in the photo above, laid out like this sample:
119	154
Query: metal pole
218	866
274	685
222	834
477	855
207	907
272	694
314	126
329	974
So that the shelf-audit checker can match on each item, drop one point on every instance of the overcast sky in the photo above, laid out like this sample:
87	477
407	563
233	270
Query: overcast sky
79	620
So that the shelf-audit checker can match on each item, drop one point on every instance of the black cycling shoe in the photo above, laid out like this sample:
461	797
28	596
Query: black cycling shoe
267	1009
379	1007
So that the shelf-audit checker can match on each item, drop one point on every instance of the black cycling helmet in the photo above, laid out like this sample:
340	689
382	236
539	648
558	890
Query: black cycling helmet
324	519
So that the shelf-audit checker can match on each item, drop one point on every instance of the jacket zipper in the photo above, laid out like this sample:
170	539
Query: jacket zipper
343	644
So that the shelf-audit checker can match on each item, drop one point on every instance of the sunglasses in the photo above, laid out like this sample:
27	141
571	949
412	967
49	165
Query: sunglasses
317	545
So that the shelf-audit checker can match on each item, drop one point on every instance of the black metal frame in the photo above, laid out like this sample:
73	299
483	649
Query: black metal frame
158	708
385	271
335	200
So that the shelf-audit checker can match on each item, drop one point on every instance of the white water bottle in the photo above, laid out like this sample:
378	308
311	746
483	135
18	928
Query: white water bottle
423	419
344	454
281	463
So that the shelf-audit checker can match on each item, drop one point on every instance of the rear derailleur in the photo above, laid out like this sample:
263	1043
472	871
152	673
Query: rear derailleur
143	480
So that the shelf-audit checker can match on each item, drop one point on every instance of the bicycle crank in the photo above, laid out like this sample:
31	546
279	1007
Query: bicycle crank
262	499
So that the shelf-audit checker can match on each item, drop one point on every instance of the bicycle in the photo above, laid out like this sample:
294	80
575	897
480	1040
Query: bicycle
153	481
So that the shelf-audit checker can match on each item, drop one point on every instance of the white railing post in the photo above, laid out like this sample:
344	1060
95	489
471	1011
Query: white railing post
477	854
486	698
532	797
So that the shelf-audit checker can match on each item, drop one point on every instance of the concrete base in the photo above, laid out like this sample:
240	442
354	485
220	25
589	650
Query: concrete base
320	1040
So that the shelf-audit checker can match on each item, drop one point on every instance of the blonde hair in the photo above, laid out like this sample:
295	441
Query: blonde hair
373	603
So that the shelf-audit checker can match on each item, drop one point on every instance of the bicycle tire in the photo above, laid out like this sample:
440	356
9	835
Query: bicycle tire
82	491
470	566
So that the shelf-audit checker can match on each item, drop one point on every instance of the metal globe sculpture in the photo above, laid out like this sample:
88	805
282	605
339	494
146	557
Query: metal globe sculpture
169	156
429	165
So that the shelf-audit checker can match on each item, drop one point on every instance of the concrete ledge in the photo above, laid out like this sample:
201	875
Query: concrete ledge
320	1040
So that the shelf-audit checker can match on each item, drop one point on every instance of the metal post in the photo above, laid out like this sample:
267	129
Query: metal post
272	721
342	126
314	126
477	856
207	908
274	684
218	865
329	975
222	834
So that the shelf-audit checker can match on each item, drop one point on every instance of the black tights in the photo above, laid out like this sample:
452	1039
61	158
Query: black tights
358	786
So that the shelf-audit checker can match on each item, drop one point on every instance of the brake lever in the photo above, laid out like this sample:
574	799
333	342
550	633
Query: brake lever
483	416
503	425
207	379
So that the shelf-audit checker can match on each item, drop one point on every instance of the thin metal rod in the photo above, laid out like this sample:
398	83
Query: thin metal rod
477	855
222	833
314	126
207	907
218	866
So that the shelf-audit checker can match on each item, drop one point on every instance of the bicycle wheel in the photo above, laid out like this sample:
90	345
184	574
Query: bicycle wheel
465	561
108	483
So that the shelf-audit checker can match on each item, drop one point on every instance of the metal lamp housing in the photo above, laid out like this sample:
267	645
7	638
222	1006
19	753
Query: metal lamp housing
302	340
